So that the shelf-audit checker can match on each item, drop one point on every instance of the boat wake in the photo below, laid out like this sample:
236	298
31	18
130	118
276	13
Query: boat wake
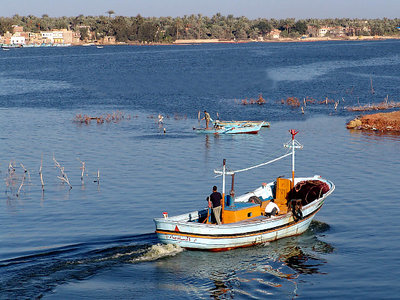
318	227
158	251
39	272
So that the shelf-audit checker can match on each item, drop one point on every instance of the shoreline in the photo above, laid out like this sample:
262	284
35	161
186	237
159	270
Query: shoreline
217	41
281	40
286	40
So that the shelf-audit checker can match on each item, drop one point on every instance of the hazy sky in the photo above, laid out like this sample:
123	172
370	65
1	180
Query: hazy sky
299	9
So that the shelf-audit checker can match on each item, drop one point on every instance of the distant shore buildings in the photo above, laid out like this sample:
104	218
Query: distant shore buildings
337	31
55	37
19	37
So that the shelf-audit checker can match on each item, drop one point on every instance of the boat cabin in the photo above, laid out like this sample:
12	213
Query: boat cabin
253	204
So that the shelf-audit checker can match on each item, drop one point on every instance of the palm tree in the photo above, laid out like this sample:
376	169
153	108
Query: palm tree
288	24
199	25
178	23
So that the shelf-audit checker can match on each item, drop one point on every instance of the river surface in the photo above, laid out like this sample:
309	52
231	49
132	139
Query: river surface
97	239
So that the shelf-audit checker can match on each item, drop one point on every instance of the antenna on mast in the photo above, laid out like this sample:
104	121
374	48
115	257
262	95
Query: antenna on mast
293	132
294	144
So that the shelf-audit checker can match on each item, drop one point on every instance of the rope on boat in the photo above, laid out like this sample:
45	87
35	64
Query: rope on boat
219	173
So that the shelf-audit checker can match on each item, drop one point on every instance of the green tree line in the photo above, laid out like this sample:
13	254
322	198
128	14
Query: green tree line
168	29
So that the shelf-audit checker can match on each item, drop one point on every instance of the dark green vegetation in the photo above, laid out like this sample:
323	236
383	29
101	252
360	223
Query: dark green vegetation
168	29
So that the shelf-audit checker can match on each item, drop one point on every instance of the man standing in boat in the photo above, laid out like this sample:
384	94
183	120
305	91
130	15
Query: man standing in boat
207	117
215	199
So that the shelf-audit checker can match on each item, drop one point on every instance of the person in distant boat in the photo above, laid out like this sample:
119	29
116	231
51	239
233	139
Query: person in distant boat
207	118
215	199
271	209
160	118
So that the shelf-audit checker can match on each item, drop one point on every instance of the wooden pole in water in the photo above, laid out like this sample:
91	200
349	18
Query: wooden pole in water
23	179
40	173
64	175
26	172
22	183
83	170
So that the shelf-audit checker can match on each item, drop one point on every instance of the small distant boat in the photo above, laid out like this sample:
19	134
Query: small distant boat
240	123
231	129
62	45
6	49
244	222
99	47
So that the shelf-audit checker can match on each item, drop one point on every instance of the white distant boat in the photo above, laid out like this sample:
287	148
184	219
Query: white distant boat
240	123
243	220
11	46
62	45
99	47
241	128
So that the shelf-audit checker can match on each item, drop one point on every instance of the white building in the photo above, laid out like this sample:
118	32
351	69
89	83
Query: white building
58	37
323	31
275	34
17	40
47	35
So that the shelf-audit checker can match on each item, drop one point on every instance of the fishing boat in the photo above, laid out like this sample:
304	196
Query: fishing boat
232	129
238	123
244	222
9	46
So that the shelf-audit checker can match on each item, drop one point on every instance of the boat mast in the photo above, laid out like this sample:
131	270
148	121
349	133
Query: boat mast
223	188
293	133
294	144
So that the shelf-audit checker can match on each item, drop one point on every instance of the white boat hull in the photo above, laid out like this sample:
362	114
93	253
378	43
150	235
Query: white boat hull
183	230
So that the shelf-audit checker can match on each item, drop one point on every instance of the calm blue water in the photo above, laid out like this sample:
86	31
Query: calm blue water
97	240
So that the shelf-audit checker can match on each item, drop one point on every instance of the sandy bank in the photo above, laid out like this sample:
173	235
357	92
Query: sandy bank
288	40
381	121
